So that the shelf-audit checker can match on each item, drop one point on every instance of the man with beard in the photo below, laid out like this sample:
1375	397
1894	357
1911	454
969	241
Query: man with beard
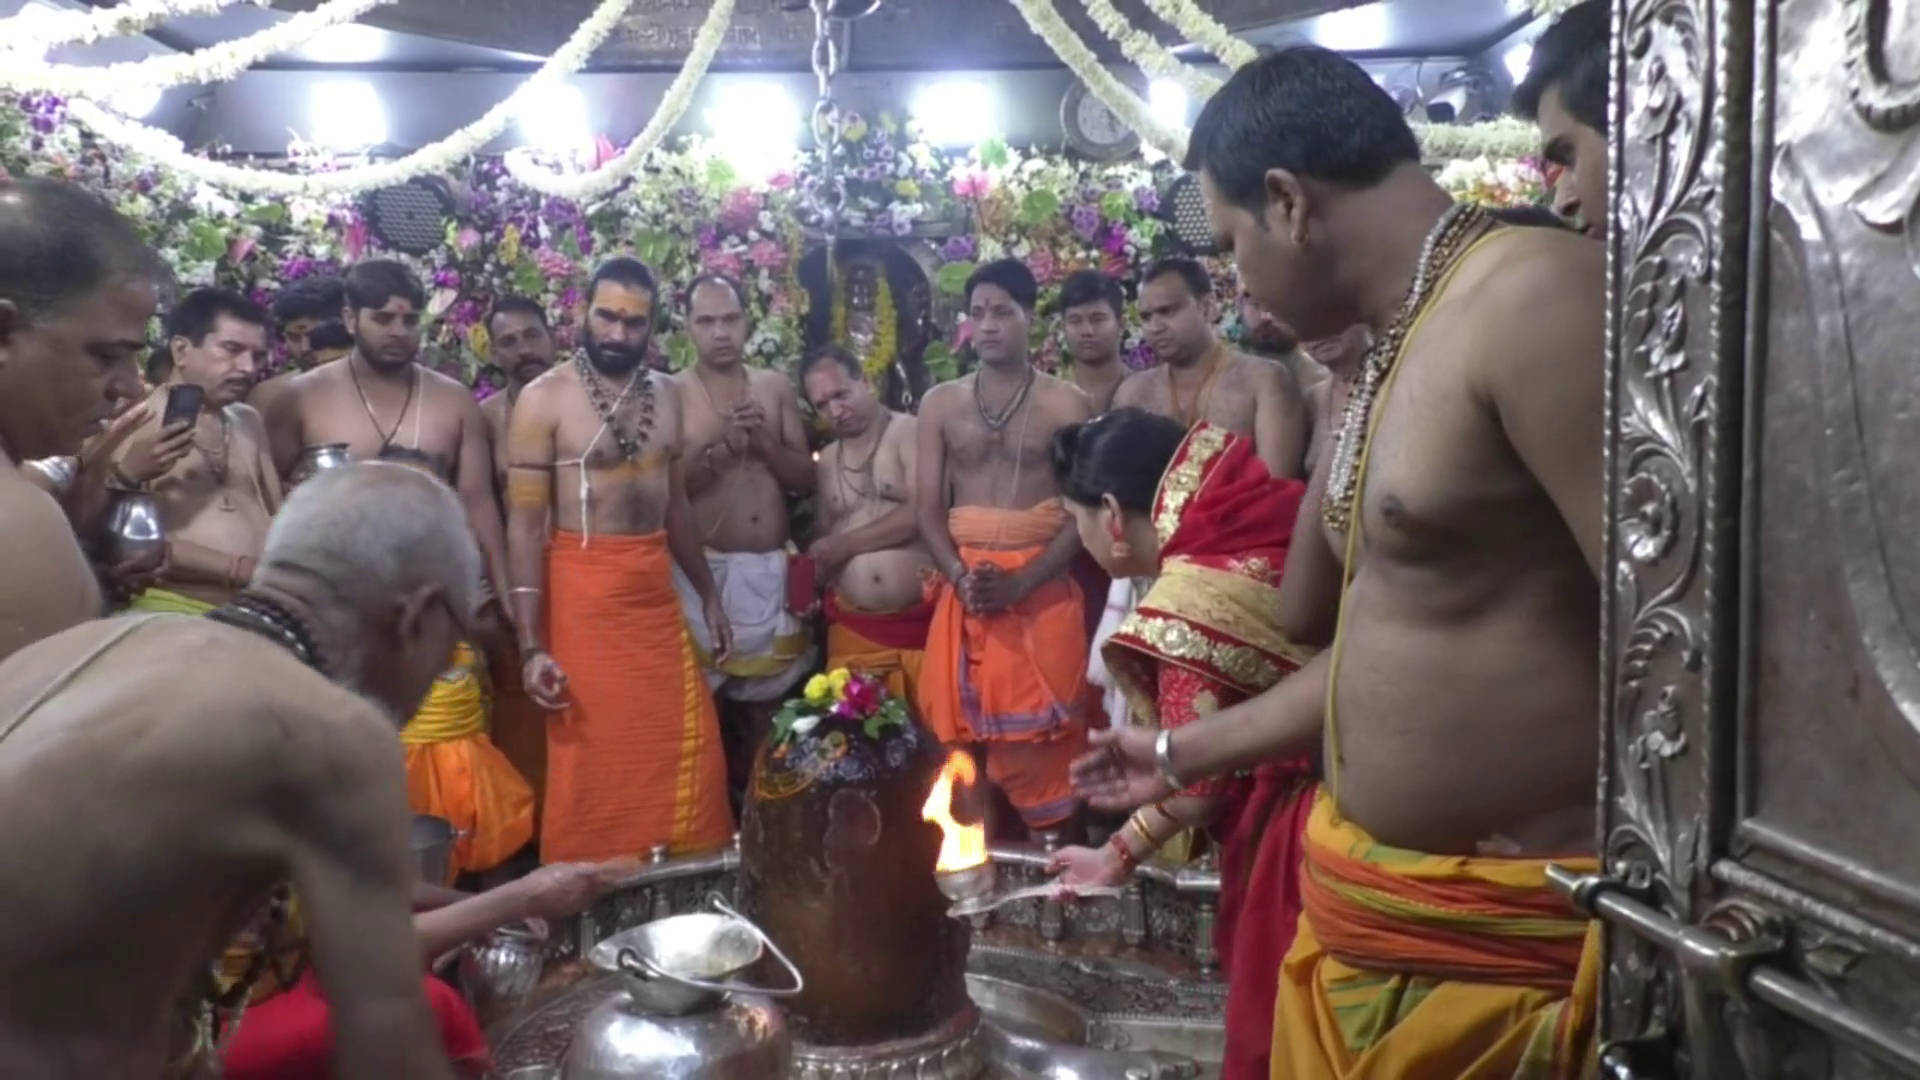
746	449
217	501
77	286
1464	500
521	343
302	307
275	764
598	521
1199	378
1565	92
869	555
1092	311
1007	656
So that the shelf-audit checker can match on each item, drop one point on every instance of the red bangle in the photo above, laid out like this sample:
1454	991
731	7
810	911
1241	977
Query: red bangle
1118	842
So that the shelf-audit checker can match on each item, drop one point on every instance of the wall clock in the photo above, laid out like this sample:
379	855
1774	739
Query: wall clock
1092	129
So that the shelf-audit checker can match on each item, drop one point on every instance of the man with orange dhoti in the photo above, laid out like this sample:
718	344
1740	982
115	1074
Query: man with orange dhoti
1007	656
1459	513
597	519
869	553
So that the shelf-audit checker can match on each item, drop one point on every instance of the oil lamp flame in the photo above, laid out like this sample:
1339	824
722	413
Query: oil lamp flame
962	847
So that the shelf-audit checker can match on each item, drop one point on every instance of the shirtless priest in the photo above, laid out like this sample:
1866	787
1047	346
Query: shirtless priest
217	502
1007	657
870	557
597	522
77	287
1464	509
275	764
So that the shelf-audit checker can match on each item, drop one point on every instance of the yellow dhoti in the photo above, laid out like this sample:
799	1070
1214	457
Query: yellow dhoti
168	602
455	772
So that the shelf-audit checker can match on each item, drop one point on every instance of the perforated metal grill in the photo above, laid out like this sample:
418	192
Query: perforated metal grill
1186	212
410	218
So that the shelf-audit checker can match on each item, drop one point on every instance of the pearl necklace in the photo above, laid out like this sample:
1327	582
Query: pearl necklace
1442	247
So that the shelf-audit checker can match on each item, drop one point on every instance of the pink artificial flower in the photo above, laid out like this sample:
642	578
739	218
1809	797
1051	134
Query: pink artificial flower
720	262
780	302
972	185
1045	270
781	180
862	696
467	238
603	151
766	255
239	248
355	240
553	264
739	211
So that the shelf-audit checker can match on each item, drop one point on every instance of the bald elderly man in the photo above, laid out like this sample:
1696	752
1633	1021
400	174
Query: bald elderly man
275	763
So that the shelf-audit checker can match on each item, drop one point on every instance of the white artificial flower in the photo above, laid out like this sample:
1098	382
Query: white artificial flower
805	724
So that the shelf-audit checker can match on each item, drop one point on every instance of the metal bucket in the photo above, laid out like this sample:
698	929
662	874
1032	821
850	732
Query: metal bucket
683	964
433	839
500	972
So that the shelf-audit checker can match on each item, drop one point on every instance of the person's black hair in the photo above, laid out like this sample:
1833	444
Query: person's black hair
1571	55
1190	272
1122	453
624	270
1011	275
374	283
1304	109
159	365
1091	287
197	312
715	278
1532	217
320	298
329	335
517	305
60	243
831	354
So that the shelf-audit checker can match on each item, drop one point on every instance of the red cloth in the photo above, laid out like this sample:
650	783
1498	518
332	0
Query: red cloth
290	1036
1258	918
893	629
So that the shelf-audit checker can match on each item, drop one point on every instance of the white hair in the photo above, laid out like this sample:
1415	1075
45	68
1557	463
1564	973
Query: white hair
374	531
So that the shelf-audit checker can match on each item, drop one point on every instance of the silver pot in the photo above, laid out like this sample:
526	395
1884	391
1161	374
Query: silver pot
318	459
501	972
678	1014
433	840
134	534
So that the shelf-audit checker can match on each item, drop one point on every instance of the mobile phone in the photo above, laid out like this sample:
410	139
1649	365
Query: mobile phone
183	405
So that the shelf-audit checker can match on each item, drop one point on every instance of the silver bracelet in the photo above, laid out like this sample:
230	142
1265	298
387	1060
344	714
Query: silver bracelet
1163	759
61	472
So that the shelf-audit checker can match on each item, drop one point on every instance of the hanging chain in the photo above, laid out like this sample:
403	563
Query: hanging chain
827	191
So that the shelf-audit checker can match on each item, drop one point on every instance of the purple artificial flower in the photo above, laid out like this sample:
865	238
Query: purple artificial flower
1138	356
959	249
707	237
1085	219
1116	240
1146	200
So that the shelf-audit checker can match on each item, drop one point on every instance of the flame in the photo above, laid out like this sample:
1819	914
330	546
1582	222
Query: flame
962	847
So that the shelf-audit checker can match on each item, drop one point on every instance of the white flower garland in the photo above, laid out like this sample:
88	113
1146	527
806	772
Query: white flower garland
1148	54
438	157
579	186
1203	30
1550	7
1114	94
47	29
216	63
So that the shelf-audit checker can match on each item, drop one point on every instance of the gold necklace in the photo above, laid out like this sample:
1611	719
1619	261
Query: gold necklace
1442	247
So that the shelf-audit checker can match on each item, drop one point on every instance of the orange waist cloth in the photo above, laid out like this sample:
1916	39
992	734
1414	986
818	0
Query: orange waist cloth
634	760
1018	674
455	772
1424	965
889	646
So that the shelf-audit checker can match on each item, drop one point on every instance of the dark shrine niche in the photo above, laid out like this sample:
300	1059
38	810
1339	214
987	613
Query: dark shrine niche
903	35
833	275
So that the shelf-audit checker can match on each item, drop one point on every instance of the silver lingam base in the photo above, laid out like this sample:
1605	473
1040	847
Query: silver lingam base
1099	989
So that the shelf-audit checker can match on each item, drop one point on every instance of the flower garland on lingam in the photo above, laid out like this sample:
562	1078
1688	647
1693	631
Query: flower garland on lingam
834	704
686	211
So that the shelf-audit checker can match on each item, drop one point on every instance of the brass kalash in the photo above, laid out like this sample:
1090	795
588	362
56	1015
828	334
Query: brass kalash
857	930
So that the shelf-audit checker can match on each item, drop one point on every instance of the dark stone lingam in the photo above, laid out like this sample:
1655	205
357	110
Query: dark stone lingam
837	866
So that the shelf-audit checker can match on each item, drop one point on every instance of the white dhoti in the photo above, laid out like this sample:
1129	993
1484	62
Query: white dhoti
771	647
1122	595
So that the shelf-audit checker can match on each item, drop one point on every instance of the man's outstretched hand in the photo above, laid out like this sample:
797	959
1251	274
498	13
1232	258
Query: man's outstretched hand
1119	773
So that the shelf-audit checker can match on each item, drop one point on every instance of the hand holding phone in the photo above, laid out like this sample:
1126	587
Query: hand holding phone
184	403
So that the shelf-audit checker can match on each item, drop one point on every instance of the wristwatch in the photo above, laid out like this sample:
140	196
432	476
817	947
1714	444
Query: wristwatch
1163	759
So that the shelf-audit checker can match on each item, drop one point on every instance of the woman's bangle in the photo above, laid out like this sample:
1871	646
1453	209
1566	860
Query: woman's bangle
1118	842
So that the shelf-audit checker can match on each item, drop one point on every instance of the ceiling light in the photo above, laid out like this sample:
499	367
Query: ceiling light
346	114
1367	28
134	102
1518	60
753	127
554	117
347	43
1167	100
954	113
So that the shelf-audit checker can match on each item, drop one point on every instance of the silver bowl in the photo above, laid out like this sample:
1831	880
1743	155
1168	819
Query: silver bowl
683	964
134	533
318	459
499	973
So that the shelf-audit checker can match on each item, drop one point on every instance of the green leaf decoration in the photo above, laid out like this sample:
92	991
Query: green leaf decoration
952	277
1038	206
993	152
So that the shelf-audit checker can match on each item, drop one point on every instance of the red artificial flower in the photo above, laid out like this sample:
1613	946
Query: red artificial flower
863	696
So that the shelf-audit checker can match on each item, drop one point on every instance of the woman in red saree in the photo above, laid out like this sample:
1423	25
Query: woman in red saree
1199	512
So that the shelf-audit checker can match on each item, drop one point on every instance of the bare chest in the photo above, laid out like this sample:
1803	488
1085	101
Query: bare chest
616	433
974	443
867	480
379	420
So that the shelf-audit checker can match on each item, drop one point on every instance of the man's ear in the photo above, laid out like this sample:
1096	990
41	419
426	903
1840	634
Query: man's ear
1287	205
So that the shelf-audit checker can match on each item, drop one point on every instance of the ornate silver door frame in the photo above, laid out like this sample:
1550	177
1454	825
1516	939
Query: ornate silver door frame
1761	779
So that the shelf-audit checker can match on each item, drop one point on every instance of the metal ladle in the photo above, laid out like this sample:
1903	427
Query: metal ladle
980	905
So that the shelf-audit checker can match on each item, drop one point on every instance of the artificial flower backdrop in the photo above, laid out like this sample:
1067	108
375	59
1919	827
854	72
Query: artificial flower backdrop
686	212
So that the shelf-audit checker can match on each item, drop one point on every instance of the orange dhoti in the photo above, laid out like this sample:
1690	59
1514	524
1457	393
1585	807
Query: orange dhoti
1016	680
890	646
634	760
1411	965
455	772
